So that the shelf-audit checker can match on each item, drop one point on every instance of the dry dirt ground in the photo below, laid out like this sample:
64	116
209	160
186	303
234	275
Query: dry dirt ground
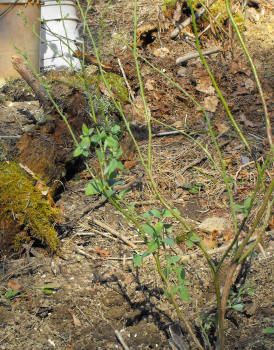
96	291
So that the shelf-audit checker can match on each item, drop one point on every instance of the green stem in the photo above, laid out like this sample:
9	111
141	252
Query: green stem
235	125
174	303
255	223
254	71
219	308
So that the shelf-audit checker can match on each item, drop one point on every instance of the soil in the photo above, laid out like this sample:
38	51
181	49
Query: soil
78	299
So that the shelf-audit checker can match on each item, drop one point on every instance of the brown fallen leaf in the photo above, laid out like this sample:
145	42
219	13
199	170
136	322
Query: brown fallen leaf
211	103
161	52
76	321
222	127
102	252
204	85
15	285
149	84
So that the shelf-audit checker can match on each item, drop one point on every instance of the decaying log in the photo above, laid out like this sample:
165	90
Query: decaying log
25	71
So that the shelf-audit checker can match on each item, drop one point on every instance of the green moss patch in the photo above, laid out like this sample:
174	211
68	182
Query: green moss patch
22	202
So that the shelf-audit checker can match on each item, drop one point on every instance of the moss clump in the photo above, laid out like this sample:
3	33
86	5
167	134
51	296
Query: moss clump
219	8
22	202
169	4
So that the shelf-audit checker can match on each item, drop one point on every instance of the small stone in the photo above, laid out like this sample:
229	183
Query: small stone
182	72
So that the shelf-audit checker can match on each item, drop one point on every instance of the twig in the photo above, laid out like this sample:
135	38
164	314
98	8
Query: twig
115	233
191	164
125	79
86	255
121	340
167	133
94	234
196	54
10	137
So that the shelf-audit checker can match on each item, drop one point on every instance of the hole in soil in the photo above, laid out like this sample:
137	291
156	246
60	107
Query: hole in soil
147	37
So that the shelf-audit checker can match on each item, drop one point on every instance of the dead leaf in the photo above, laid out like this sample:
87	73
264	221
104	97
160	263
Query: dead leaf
204	85
245	121
178	11
161	52
15	285
129	164
209	243
103	89
76	321
211	103
149	84
222	128
178	124
214	223
102	252
249	84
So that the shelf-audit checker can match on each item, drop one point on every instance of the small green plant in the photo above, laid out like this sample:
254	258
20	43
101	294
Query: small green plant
159	237
268	330
245	207
154	226
236	298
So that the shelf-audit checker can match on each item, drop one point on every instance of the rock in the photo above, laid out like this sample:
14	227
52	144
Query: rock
214	223
182	72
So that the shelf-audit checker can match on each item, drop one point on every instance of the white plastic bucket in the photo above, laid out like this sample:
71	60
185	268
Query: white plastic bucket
59	33
14	32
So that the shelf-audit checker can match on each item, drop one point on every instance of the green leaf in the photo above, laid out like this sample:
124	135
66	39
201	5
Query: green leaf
151	248
169	241
111	143
158	227
148	229
184	294
49	288
194	190
247	203
189	243
238	307
156	213
181	275
137	260
173	259
113	166
238	207
147	216
85	143
11	293
85	153
117	153
115	129
167	271
85	130
93	187
194	238
95	138
167	213
78	152
268	330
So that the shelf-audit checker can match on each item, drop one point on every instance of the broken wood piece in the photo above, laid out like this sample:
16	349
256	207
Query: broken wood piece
115	233
121	340
195	54
24	70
